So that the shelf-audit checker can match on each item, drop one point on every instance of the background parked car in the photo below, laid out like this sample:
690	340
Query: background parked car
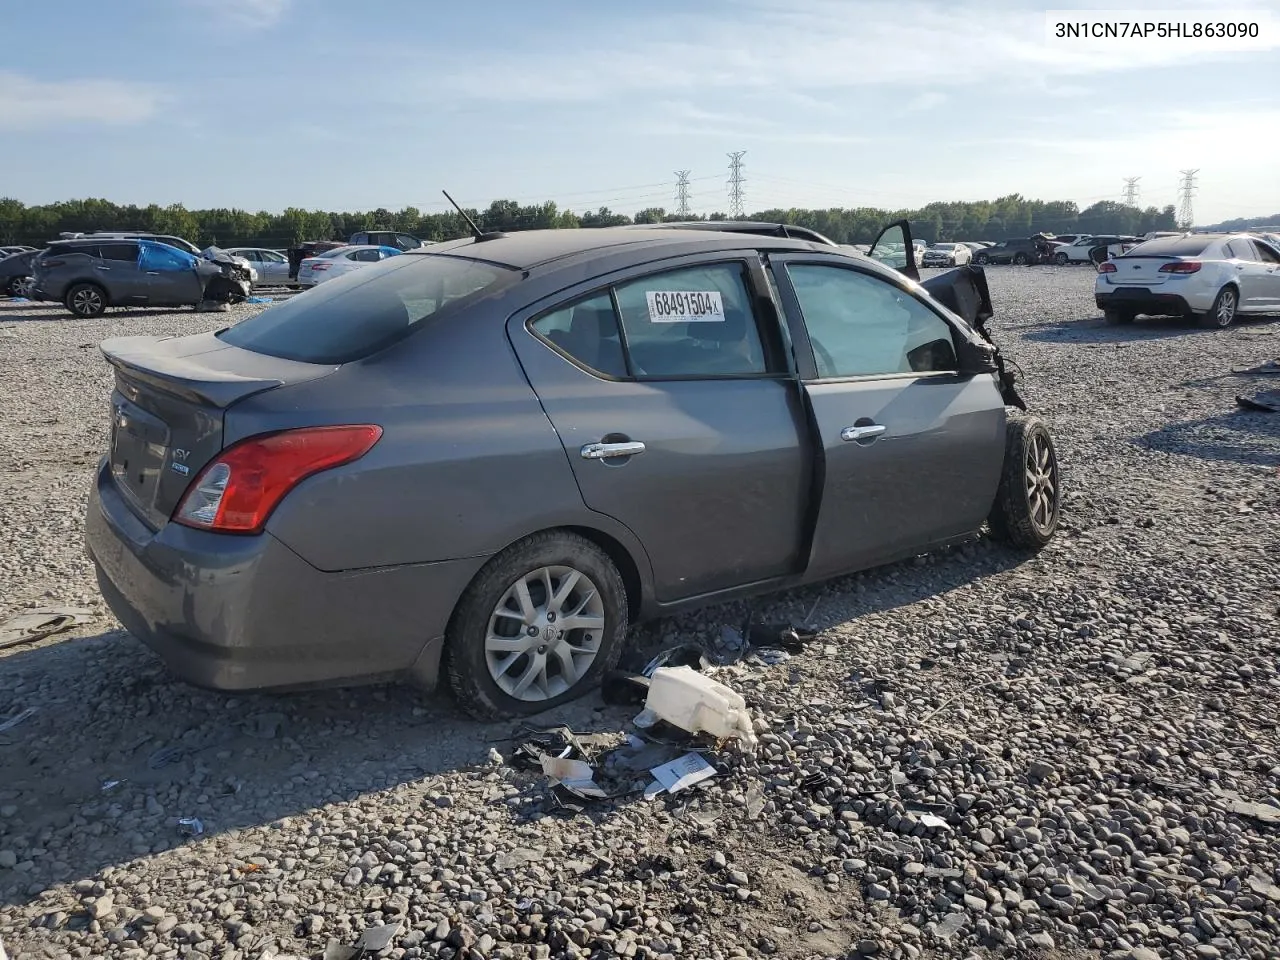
385	238
89	275
1078	250
9	251
272	266
339	261
15	273
168	239
947	254
1019	251
1209	277
308	248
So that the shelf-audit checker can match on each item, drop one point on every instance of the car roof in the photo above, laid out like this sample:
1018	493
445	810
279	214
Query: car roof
533	248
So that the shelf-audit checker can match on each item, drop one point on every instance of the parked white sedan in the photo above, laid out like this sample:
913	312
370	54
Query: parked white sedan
271	265
946	255
339	261
1211	277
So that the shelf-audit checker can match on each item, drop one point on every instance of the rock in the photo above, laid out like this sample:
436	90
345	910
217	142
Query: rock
8	859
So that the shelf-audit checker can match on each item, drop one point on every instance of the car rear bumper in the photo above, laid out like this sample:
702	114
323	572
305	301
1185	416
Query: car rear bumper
246	612
1146	300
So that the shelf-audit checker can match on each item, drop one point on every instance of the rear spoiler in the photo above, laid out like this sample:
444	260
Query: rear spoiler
171	365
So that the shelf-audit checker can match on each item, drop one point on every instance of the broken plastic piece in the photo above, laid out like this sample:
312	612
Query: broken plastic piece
38	624
685	655
191	826
576	776
694	702
110	784
934	822
624	689
17	719
684	772
378	938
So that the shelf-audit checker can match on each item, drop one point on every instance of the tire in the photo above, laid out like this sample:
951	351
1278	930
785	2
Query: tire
981	260
1020	260
1223	312
1117	316
1027	508
1061	259
86	300
471	667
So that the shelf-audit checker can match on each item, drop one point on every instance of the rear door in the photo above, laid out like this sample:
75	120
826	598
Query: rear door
679	416
120	273
911	448
1269	257
1251	274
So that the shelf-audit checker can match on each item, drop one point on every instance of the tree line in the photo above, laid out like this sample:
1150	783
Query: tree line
1011	216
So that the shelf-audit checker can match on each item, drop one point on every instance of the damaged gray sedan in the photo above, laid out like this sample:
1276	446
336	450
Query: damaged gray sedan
484	460
89	274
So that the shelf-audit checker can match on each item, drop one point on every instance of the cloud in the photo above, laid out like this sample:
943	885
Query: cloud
926	101
808	46
26	103
252	14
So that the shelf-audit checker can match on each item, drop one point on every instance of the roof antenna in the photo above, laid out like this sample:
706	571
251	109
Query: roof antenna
462	213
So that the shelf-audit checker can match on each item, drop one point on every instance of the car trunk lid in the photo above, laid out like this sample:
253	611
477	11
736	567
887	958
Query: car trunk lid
167	410
1141	271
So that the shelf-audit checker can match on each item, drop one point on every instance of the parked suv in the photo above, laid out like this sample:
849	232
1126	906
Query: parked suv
89	275
385	238
1020	251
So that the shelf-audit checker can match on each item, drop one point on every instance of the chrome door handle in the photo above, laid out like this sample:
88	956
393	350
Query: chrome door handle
153	273
862	433
603	451
103	269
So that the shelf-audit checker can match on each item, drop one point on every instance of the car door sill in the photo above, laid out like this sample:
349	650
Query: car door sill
792	581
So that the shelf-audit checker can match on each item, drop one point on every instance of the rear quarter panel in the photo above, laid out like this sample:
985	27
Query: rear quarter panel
467	464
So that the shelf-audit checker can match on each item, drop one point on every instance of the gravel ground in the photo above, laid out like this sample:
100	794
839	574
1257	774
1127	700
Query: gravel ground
981	755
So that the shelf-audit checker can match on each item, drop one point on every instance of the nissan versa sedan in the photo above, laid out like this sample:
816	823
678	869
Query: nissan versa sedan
483	460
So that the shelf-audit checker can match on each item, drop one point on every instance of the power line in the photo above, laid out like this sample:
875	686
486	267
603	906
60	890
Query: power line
735	184
682	194
1186	191
1131	191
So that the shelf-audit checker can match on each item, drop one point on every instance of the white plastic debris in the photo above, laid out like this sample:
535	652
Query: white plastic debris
694	702
575	775
191	826
683	772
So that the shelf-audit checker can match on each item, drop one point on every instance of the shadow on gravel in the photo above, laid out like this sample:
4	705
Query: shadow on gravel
1096	330
1252	439
118	751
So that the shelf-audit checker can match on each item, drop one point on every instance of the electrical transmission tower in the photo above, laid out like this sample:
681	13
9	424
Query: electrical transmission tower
735	184
1185	192
682	194
1131	191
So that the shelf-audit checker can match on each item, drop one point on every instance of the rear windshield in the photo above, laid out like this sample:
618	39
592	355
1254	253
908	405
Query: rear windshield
1171	247
358	314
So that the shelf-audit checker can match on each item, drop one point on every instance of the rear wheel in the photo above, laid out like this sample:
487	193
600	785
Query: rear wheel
1223	311
540	625
1020	260
86	300
1025	513
981	259
1115	316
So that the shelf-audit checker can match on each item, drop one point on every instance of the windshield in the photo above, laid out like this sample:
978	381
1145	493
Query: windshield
366	310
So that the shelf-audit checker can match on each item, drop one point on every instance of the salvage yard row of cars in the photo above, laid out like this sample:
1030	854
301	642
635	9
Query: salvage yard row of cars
689	412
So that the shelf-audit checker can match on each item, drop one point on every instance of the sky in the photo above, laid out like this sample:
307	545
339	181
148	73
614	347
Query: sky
341	105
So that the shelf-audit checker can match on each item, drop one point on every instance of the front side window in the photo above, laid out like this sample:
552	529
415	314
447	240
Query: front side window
1240	249
270	256
863	326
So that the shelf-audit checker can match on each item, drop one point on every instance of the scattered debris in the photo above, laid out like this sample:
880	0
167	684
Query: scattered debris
495	758
108	785
512	859
191	826
1268	401
694	702
624	689
16	719
38	624
1268	367
683	773
166	756
576	776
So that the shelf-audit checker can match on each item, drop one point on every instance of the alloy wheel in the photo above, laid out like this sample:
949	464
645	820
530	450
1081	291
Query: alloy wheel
544	633
1226	308
86	302
1042	482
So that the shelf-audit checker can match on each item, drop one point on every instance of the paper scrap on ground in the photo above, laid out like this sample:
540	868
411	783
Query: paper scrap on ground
683	772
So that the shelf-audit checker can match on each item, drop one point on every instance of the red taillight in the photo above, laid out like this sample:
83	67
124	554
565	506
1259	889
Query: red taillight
1182	266
1106	267
237	491
319	266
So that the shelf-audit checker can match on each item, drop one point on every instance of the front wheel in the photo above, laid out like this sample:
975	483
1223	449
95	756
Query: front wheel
540	625
86	300
981	260
1223	311
1020	260
1029	499
1061	259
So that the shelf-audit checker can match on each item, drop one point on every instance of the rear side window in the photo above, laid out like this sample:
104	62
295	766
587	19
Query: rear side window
118	251
366	310
587	332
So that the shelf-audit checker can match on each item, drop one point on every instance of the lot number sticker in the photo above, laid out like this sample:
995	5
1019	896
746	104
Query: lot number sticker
685	306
